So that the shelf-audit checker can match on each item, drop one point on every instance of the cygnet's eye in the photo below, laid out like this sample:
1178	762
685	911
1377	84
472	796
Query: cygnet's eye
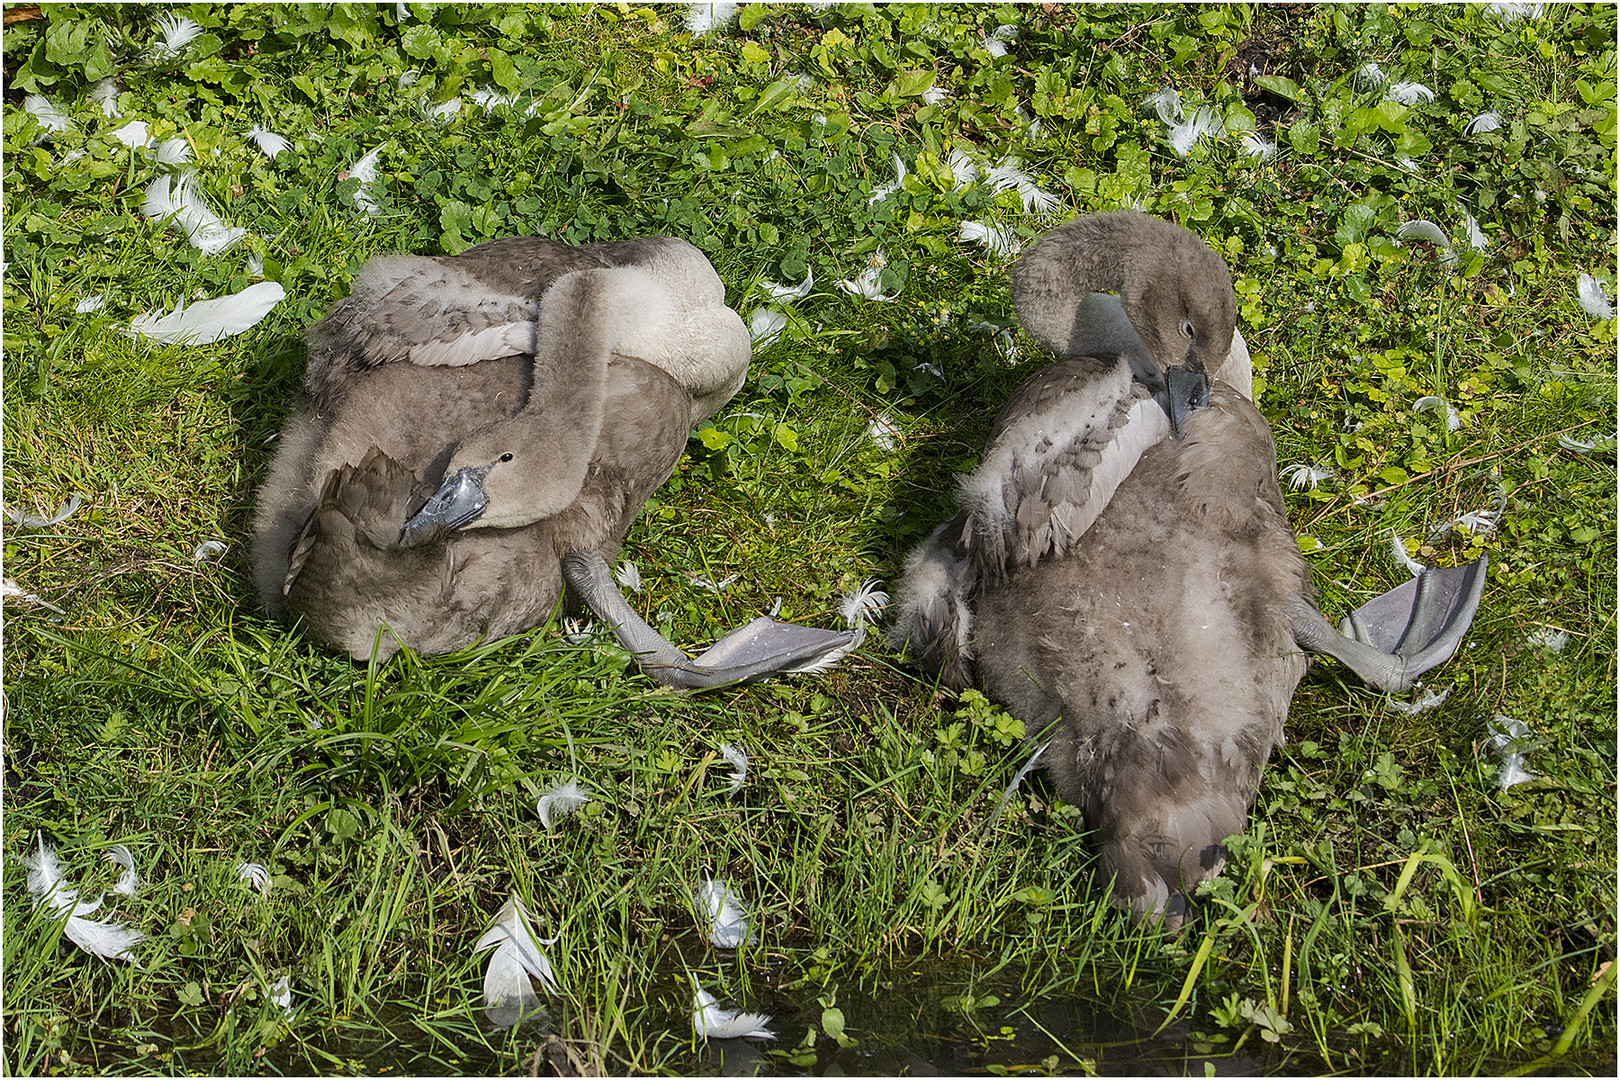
1187	329
506	457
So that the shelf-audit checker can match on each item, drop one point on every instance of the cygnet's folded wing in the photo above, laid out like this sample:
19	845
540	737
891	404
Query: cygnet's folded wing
1065	441
763	648
1397	636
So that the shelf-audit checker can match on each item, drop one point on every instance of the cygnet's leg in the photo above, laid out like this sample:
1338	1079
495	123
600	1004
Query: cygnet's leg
763	648
1397	636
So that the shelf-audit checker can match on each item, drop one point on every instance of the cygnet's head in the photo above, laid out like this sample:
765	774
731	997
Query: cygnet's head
489	483
1184	309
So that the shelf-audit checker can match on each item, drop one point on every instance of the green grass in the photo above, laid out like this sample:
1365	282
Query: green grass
1390	909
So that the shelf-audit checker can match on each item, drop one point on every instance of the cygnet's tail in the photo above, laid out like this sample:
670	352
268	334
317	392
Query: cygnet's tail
933	613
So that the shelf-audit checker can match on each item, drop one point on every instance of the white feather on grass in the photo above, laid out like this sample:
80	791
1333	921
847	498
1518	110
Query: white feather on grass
999	241
883	192
1205	122
279	994
995	42
101	938
1397	547
1475	236
207	550
1255	145
208	321
1018	778
178	32
865	284
176	200
559	802
788	294
1424	404
934	95
10	590
508	992
1166	103
133	134
704	18
628	576
1593	296
49	117
865	605
737	758
25	520
445	111
710	1021
1370	76
365	171
765	325
1010	174
709	585
1424	702
268	142
964	168
1485	121
1548	638
173	152
1511	739
1409	93
723	908
1475	521
89	304
1514	12
1305	477
882	431
256	875
1605	443
1423	229
105	94
129	880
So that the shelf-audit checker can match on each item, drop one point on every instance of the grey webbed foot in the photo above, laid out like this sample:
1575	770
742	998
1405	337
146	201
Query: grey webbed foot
763	648
1394	638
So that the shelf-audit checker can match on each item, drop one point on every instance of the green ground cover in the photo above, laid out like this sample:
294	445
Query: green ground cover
1390	909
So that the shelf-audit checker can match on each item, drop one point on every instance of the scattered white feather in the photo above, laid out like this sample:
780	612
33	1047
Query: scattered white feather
865	604
1427	701
10	590
1253	144
1423	229
728	919
882	431
1548	638
1512	12
365	170
711	586
101	938
1424	404
1018	778
408	78
628	576
1167	103
559	802
578	631
765	325
255	874
268	142
1397	547
710	1021
1010	174
788	294
1597	442
210	320
1409	93
516	958
999	240
1485	121
1306	477
1476	238
176	200
865	283
738	760
1475	521
178	32
1203	123
105	94
133	134
24	520
207	550
176	151
934	95
1370	76
1593	296
1512	740
46	113
881	193
995	42
703	18
129	880
445	111
964	168
279	994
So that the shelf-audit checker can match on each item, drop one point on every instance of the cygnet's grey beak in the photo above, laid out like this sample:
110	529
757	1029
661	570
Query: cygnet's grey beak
1186	389
459	501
